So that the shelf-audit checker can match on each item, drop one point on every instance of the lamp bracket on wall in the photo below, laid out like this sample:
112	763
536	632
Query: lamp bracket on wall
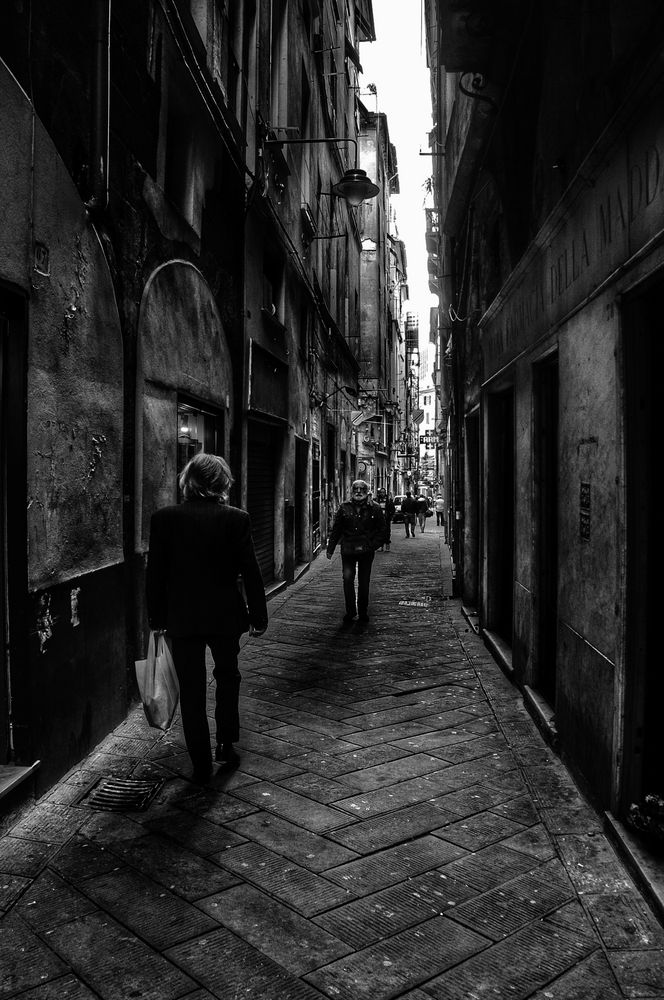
477	84
354	186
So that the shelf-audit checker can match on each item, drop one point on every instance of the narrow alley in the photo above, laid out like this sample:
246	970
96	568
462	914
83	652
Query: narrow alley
396	828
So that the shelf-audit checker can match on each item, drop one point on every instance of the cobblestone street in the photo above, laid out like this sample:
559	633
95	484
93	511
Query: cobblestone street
397	828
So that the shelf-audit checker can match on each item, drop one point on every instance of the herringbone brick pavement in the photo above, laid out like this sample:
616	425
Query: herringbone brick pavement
397	828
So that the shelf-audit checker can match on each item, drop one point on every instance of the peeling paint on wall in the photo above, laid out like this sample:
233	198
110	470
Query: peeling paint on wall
45	621
74	297
73	601
67	325
98	442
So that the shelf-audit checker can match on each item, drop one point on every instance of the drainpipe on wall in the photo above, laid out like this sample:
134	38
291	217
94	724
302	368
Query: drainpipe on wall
99	137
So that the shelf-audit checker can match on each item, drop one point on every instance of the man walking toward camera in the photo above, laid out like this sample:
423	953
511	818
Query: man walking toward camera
359	524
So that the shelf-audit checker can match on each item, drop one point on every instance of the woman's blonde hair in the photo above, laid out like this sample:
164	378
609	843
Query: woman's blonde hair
206	477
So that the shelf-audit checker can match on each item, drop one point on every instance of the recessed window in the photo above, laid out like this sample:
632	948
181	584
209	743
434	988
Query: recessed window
198	430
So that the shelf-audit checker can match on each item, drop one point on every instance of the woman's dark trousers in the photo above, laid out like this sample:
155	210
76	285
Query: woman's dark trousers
189	660
348	567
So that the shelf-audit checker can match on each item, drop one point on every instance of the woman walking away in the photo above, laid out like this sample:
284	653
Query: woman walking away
198	549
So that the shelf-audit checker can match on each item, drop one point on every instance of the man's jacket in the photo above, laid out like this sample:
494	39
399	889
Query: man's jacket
361	529
409	505
198	549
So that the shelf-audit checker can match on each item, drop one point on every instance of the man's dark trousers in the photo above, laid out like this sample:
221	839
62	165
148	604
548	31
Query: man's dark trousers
363	564
189	660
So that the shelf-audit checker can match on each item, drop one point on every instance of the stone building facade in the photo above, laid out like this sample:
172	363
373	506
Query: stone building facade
549	265
177	271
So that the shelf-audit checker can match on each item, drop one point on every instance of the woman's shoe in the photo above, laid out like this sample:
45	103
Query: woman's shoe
224	753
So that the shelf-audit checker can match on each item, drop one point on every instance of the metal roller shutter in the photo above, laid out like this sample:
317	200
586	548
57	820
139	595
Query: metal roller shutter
260	495
301	498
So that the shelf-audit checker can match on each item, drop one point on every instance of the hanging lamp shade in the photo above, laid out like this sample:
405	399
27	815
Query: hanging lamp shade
355	187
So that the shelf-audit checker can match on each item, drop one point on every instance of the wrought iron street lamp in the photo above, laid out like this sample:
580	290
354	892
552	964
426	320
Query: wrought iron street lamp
355	186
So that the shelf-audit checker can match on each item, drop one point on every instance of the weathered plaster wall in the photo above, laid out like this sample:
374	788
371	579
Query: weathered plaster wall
79	671
15	174
72	689
523	521
585	710
74	393
588	633
74	409
589	455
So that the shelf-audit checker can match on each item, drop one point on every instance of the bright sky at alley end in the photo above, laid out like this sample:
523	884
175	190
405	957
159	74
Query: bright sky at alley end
396	64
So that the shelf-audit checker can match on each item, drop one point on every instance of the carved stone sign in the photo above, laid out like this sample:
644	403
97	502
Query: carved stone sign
612	217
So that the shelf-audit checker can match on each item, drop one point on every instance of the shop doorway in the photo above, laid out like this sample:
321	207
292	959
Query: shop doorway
643	356
13	530
500	514
546	539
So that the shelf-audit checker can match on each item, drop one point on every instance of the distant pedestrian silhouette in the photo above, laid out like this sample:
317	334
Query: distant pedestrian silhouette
409	511
422	508
386	504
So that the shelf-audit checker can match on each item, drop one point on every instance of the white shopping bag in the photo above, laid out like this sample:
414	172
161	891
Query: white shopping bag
158	683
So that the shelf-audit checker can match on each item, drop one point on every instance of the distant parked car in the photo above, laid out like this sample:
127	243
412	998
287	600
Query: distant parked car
398	516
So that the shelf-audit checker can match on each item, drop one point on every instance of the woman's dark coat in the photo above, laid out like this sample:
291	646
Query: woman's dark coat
198	549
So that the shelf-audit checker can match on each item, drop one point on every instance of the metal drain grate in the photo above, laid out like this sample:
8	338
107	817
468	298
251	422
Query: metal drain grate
119	794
